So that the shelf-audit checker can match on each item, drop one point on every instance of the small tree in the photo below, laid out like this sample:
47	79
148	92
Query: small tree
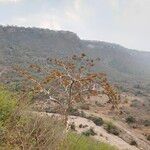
67	81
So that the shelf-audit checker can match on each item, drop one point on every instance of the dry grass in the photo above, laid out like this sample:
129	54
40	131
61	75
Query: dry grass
34	132
22	130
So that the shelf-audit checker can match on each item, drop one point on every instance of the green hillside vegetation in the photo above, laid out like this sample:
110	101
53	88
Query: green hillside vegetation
80	142
8	103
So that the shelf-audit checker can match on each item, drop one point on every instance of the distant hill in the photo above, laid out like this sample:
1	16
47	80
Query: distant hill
19	45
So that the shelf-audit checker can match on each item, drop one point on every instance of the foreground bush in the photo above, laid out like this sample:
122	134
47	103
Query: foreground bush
35	132
23	129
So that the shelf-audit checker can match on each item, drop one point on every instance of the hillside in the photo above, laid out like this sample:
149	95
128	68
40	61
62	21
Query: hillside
19	45
124	128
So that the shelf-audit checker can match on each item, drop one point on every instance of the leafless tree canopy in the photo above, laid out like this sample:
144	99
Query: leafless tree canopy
70	80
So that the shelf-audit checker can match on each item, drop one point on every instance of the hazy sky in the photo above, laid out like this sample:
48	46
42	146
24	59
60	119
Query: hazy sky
126	22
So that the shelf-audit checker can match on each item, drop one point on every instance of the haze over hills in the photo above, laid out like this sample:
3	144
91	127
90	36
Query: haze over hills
30	45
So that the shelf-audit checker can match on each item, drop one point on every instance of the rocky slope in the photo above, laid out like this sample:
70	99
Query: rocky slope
122	142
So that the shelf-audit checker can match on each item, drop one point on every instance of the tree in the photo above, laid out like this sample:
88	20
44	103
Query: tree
67	81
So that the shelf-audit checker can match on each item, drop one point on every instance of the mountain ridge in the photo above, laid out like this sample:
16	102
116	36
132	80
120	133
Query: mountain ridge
27	45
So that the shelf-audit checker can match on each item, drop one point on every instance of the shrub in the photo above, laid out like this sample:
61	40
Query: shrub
138	93
80	126
74	111
130	119
133	142
147	123
148	137
72	126
82	114
97	120
111	128
89	132
15	86
85	106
